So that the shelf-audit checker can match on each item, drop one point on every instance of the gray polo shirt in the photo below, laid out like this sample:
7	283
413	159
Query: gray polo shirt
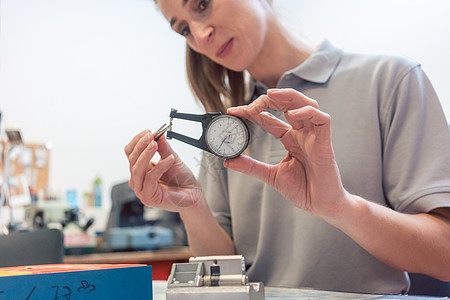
392	146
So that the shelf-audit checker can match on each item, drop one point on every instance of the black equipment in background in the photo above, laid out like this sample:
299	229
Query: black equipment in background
133	226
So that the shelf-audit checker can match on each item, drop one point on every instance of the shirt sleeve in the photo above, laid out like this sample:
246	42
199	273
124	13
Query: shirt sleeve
416	152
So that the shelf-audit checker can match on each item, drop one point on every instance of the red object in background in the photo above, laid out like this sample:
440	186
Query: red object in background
161	269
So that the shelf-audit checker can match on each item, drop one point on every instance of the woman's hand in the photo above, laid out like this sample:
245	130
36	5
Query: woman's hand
170	185
167	184
308	176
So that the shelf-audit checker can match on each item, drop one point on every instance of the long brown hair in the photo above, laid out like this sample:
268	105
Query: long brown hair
215	86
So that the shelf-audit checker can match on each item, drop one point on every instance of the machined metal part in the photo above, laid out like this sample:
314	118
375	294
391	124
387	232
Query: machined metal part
232	268
212	277
163	129
226	280
160	132
186	275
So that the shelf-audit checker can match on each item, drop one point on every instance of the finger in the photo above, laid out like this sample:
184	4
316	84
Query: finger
296	124
293	97
266	120
130	146
252	167
139	147
142	165
282	100
131	183
164	148
153	176
271	124
313	118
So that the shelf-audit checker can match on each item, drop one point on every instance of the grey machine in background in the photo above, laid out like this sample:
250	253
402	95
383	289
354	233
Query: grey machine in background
132	226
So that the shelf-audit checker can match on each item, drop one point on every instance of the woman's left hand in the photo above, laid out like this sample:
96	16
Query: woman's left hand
308	176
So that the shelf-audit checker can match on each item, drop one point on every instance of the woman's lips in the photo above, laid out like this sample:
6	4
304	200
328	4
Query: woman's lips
225	49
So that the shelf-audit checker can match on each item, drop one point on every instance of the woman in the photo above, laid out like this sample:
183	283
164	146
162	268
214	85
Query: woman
350	208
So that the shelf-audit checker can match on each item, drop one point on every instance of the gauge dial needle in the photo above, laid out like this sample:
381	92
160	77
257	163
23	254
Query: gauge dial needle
223	141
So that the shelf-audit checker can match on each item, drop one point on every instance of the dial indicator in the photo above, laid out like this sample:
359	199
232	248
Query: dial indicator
224	135
227	136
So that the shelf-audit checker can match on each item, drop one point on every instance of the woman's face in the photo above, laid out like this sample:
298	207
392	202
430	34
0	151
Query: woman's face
229	32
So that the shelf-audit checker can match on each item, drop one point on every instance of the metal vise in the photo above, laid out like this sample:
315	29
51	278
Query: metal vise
212	277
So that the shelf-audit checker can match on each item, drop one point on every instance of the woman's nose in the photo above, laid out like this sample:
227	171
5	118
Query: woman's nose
201	32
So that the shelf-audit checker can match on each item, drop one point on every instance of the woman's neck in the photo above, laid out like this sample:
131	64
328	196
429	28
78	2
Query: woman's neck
282	51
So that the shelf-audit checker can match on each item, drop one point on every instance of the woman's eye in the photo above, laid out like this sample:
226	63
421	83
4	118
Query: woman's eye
203	5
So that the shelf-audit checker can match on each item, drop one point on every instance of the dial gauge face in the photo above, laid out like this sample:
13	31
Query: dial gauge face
227	136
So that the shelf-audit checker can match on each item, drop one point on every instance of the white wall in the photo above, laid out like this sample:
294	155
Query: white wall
418	29
88	75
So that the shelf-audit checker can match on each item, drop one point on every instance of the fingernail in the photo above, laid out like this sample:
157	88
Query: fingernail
226	163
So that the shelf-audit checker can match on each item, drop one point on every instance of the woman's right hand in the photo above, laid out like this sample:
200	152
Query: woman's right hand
167	184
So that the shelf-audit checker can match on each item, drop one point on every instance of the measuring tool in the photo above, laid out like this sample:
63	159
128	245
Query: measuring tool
212	277
224	135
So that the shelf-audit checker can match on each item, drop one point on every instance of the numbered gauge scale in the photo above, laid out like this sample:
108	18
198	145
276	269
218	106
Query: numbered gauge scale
227	136
224	135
